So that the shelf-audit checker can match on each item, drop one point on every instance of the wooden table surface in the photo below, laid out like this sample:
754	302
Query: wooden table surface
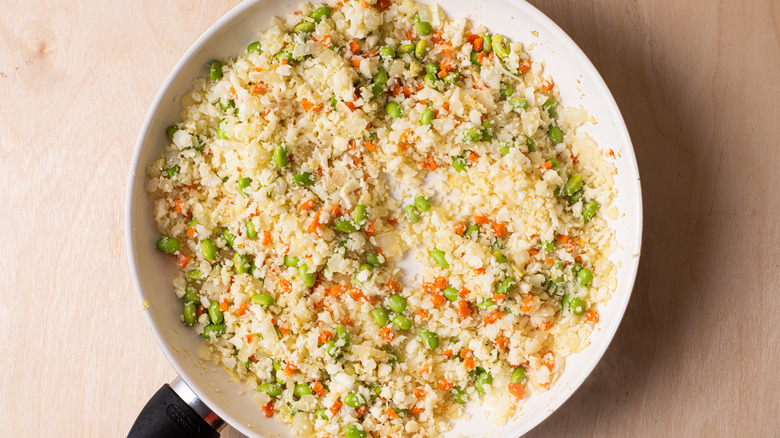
698	83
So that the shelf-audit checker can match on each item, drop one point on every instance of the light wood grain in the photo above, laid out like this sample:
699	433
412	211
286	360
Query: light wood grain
697	82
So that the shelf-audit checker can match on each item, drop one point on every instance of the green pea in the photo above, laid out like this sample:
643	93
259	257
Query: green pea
330	348
210	331
304	27
190	314
439	258
486	304
360	214
396	303
393	109
459	395
321	414
432	68
472	230
306	277
229	237
412	214
215	71
531	144
402	322
280	156
577	305
584	277
500	45
549	106
387	52
168	245
507	90
333	102
459	163
251	231
345	226
381	76
451	77
430	81
427	117
423	28
241	263
354	400
506	285
473	135
290	262
406	48
555	134
244	183
170	131
547	246
343	334
474	56
215	313
320	13
262	299
272	389
483	378
172	171
190	295
354	431
373	259
518	376
500	258
422	203
254	47
450	293
195	274
429	338
589	210
303	179
573	185
209	249
487	43
505	148
302	389
380	316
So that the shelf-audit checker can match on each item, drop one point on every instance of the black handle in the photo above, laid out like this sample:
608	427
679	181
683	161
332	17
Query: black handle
167	415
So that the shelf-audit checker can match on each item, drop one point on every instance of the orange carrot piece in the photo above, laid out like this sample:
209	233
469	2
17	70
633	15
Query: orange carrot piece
419	393
463	309
593	316
336	407
178	206
469	363
493	317
444	385
266	238
191	232
460	228
516	390
563	238
327	41
183	260
315	223
500	342
547	85
306	104
547	165
447	353
325	336
290	369
416	411
356	62
393	286
249	338
481	219
224	306
500	230
307	205
350	105
391	414
387	334
463	293
286	285
528	304
337	289
440	282
446	106
525	66
243	309
353	46
478	42
335	211
259	87
438	299
318	388
370	146
549	261
268	409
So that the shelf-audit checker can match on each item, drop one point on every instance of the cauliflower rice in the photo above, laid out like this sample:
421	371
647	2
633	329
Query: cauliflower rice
306	171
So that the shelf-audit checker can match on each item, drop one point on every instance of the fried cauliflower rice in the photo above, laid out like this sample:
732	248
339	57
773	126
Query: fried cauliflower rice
354	138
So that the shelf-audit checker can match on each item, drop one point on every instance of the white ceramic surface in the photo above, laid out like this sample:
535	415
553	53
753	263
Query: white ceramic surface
579	84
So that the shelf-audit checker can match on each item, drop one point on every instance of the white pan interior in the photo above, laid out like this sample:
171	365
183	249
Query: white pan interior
579	84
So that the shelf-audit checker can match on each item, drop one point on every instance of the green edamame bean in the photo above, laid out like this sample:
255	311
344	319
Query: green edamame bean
406	48
531	144
209	249
195	274
459	163
251	231
506	285
427	117
357	278
577	305
229	237
402	322
244	183
547	245
486	304
450	293
422	203
575	197
393	109
190	295
241	263
487	43
500	258
376	90
360	214
302	389
473	135
589	210
432	68
173	171
272	389
549	106
354	400
168	245
330	348
387	52
439	258
474	56
429	338
519	102
487	131
221	132
501	46
290	262
380	316
381	76
573	185
344	226
472	230
303	179
170	131
518	376
215	313
373	260
423	28
412	215
430	81
254	47
320	413
396	303
584	277
555	134
262	299
280	156
459	395
190	314
321	12
354	431
505	148
304	27
343	334
451	77
215	70
507	90
213	330
306	277
483	378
